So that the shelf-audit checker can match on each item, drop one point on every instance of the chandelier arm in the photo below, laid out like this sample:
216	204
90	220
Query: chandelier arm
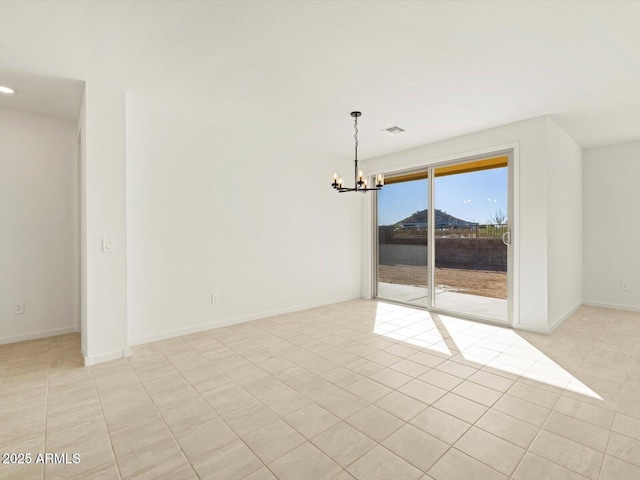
356	189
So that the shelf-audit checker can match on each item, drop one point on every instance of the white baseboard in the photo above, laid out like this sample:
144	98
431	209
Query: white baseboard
525	328
37	335
629	308
106	357
233	321
561	320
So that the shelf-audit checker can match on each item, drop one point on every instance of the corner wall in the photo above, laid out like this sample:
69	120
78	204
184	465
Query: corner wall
612	226
104	275
564	225
39	249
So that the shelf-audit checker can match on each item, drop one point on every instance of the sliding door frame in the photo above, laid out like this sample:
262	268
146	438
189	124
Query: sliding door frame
375	232
512	152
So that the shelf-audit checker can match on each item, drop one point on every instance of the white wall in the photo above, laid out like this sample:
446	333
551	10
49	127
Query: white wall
38	213
530	234
612	225
82	225
251	218
564	224
104	217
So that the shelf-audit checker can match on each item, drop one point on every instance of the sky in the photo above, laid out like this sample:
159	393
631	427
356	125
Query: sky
474	196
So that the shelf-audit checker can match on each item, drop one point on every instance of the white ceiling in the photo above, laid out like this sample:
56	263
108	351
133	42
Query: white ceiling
55	97
296	69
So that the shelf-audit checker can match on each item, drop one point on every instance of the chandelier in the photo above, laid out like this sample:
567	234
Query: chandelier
359	179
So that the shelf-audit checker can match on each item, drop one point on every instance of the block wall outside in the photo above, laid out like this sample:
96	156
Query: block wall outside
469	253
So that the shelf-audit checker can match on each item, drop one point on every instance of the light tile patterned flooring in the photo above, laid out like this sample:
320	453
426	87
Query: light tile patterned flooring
360	389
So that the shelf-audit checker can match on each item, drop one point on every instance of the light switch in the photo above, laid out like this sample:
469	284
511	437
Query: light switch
107	246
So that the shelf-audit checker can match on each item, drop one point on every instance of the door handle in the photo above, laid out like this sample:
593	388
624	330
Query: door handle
506	238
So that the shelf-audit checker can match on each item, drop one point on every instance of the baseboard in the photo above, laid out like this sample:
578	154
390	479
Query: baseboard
106	357
232	321
614	306
37	335
526	328
561	320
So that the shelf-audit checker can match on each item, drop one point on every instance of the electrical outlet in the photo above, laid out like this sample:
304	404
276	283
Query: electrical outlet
19	308
624	286
215	298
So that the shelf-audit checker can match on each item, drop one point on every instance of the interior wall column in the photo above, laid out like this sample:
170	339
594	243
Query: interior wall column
104	225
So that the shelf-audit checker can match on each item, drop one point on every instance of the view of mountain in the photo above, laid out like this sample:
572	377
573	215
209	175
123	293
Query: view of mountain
443	219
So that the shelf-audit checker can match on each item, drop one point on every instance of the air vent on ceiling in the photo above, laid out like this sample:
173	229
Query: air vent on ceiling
393	130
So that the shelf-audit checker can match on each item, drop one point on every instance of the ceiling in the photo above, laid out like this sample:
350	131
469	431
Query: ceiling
54	97
296	69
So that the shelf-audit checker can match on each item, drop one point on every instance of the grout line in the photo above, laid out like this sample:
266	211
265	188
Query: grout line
604	455
46	411
213	409
533	441
541	428
104	419
160	413
606	448
471	425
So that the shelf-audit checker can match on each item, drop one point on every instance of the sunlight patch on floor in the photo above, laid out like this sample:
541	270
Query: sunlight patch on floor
415	327
492	346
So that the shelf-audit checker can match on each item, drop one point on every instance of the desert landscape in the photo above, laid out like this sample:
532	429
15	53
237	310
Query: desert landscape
486	283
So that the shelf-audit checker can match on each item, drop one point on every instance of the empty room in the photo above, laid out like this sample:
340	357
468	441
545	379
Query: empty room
319	240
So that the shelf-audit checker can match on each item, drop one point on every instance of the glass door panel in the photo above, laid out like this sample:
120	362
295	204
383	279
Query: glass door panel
470	210
402	239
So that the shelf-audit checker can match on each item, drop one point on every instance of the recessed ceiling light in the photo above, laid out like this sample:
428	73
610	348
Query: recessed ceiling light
4	89
393	130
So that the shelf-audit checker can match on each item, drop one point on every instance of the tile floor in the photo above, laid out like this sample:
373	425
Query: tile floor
361	389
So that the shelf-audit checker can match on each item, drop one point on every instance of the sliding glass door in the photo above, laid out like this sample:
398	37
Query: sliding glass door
443	238
402	239
471	257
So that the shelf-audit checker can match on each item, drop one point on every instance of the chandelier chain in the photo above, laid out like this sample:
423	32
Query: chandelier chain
355	126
